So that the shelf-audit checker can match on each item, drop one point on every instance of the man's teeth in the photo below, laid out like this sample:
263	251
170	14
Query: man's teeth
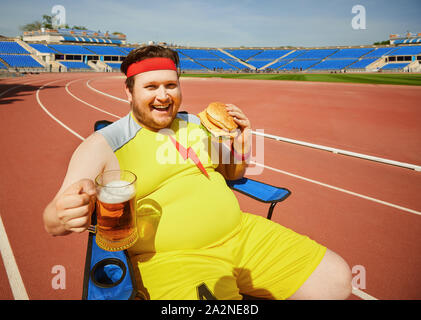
160	107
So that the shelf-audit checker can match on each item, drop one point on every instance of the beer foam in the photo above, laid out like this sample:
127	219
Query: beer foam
116	192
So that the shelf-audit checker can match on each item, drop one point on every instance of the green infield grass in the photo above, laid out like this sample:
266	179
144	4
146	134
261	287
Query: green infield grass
376	78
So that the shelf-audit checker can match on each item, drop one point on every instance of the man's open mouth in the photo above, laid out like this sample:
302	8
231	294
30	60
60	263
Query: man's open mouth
162	107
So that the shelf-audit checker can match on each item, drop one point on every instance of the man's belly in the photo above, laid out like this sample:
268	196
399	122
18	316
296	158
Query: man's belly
191	213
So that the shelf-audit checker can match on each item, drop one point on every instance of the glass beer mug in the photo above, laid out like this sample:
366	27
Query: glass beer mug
115	210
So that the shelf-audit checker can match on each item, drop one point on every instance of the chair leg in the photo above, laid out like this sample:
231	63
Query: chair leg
272	206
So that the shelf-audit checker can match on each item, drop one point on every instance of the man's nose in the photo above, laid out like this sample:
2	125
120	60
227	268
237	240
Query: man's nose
162	94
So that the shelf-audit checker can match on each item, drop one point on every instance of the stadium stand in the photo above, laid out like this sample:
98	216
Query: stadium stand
74	65
333	64
280	63
12	47
71	49
316	54
406	51
362	64
350	53
105	50
42	48
20	61
228	59
86	50
394	66
379	52
207	59
265	57
186	64
299	65
244	54
407	41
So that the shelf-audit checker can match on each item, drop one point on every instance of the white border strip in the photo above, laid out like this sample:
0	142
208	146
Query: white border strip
307	144
12	270
340	189
361	294
340	151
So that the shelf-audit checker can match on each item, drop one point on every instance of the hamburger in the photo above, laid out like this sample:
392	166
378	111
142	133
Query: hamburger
218	121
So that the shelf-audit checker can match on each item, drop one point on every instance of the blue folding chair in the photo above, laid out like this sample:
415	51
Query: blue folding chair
110	276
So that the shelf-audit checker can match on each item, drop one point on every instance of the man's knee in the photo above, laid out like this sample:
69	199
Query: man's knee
331	280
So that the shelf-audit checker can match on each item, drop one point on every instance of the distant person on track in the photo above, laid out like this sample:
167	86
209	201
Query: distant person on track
204	246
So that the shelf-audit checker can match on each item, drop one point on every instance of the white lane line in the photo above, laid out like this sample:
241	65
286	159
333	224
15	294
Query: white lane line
105	94
339	189
12	270
341	151
51	115
363	295
88	104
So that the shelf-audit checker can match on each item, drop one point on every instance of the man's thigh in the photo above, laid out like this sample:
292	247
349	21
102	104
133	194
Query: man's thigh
273	261
189	275
331	280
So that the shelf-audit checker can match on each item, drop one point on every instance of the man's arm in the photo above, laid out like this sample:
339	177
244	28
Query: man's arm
240	148
71	208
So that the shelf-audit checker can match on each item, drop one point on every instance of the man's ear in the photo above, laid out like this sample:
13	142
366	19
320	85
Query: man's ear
129	94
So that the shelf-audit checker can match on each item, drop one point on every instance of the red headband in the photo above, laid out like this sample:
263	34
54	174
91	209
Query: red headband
150	64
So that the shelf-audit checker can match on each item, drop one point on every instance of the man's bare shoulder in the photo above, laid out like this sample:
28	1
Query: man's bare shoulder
95	141
90	158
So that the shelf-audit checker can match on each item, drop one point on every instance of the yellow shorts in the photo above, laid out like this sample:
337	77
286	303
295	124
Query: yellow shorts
261	259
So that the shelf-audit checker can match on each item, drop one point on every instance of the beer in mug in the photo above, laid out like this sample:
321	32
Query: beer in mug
115	208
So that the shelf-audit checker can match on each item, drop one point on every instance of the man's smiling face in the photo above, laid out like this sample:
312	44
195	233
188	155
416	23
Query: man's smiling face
155	98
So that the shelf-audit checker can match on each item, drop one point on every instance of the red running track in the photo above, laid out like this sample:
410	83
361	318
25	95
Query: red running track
365	211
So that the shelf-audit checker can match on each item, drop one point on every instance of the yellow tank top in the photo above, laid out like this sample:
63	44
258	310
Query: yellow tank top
178	206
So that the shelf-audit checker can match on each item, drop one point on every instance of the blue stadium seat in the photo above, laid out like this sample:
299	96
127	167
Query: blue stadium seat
350	53
74	64
105	50
42	48
11	47
379	52
394	66
362	64
244	54
316	54
406	51
270	54
197	54
71	49
333	64
20	61
299	64
216	64
186	64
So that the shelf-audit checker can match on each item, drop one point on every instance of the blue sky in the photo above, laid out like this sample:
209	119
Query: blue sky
219	23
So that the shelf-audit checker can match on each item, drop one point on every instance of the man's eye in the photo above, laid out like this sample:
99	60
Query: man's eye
171	85
150	86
